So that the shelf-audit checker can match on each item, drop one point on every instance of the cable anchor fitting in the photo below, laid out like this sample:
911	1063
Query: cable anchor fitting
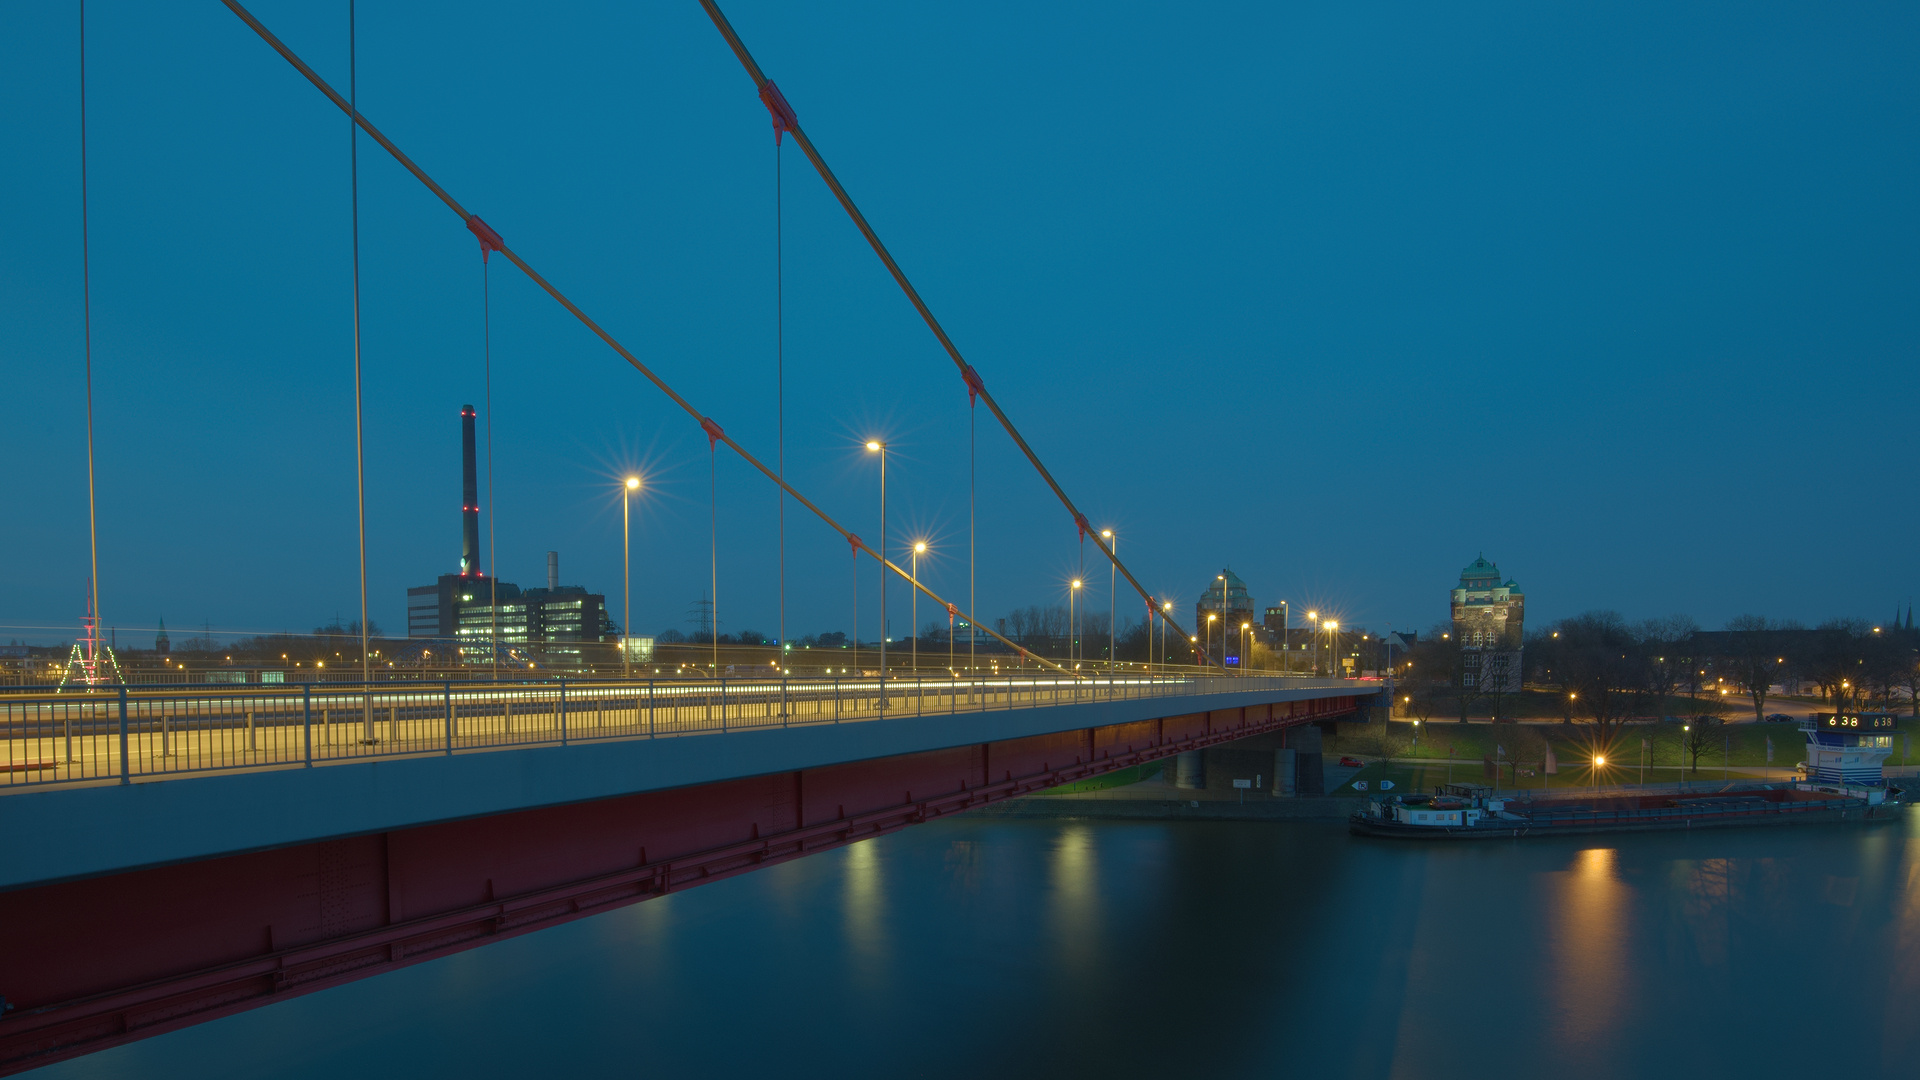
1080	520
854	543
783	118
489	240
714	433
974	386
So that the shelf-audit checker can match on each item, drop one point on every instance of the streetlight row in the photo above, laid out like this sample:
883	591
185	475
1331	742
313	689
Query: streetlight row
632	484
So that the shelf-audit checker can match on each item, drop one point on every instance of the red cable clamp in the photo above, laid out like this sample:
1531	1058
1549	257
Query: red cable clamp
783	118
714	434
974	386
854	543
489	240
952	612
1081	521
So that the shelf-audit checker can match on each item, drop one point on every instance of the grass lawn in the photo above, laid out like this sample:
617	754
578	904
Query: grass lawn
1114	779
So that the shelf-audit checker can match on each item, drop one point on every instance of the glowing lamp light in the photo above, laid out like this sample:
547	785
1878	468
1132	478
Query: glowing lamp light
872	445
633	482
1598	761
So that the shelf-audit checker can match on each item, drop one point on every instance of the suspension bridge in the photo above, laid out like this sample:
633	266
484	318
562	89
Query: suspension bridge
181	853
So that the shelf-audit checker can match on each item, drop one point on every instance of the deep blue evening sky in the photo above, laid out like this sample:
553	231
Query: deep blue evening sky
1621	295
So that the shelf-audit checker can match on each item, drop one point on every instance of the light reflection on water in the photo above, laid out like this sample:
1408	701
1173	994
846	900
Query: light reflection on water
1135	948
1589	956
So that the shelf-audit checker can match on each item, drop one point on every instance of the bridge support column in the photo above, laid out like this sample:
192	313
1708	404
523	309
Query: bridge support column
1189	770
1283	772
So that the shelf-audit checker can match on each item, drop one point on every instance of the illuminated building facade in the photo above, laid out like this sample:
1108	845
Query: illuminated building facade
1488	615
471	612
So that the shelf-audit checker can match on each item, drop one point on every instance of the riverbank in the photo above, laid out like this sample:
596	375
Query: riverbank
1299	808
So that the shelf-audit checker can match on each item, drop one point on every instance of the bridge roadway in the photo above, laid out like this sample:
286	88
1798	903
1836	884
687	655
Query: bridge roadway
302	863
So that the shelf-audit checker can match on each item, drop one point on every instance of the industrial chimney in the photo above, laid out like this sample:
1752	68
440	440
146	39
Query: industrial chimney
553	571
469	498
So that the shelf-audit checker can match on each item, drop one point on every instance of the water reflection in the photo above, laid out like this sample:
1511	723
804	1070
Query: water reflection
1073	907
1048	947
1589	944
863	908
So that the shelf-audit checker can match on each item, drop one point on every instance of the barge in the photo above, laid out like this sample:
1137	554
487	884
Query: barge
1844	783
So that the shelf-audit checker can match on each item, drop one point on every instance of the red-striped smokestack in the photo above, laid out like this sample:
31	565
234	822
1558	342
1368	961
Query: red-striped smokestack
469	498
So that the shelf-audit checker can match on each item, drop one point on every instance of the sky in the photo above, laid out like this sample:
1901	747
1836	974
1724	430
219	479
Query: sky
1338	296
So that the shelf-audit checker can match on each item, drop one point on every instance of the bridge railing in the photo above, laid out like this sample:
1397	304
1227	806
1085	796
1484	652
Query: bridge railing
50	735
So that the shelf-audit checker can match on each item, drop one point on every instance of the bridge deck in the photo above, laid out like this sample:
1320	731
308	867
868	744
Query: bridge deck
131	735
228	786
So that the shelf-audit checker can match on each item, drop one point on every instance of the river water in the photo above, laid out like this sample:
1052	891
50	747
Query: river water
1071	948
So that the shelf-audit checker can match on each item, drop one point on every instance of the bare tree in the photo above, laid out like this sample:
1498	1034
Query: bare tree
1666	650
1598	662
1698	737
1833	661
1756	658
1520	745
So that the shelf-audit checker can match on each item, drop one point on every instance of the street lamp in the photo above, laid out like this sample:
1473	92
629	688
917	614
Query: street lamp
1333	642
919	549
1313	633
626	573
1073	590
1113	580
1166	612
875	446
1285	639
1244	627
1212	617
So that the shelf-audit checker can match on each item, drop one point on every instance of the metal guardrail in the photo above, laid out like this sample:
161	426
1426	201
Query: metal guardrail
128	733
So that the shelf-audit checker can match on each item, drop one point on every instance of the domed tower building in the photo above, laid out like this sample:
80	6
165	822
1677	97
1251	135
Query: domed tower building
1488	616
1227	600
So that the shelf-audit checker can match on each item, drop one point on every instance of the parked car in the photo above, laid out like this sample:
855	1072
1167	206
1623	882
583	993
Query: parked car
1779	718
1352	763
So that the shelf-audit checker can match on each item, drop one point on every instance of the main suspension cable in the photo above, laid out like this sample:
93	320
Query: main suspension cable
770	93
491	239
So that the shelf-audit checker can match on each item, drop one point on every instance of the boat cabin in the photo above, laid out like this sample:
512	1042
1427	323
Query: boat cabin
1849	748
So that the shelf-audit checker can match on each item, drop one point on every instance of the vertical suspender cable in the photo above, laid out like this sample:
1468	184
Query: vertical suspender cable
713	560
493	569
973	603
780	383
359	448
86	323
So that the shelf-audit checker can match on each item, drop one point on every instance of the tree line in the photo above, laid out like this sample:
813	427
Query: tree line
1606	669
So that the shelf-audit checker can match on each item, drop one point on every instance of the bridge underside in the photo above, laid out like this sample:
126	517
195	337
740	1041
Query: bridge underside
116	958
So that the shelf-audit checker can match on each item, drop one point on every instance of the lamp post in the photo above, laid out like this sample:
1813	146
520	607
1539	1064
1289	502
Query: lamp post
1332	628
1244	627
626	574
1313	635
1113	580
919	548
1073	590
875	446
1166	609
1213	617
1684	728
1286	638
